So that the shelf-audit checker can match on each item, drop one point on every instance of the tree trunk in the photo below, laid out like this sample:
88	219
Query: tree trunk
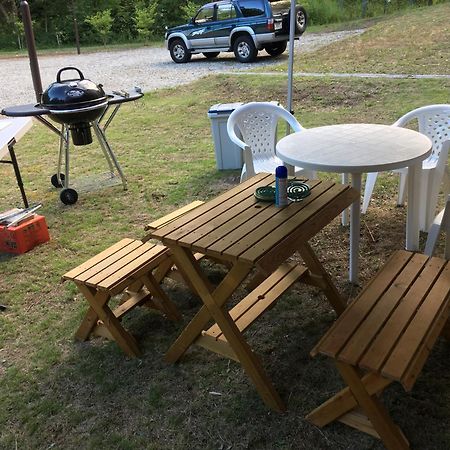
364	7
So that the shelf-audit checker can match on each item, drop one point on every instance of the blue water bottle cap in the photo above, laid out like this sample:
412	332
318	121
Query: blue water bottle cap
281	172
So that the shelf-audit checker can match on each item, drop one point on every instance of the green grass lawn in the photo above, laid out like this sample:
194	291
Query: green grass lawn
60	394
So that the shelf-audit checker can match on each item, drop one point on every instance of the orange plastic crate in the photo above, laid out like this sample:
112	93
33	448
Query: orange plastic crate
25	236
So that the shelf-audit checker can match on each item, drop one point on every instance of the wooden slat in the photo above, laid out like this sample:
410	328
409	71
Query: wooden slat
121	276
338	335
410	342
382	346
246	233
249	186
310	228
344	401
119	260
261	299
374	321
74	273
357	419
214	216
221	347
420	358
244	217
114	258
130	304
285	230
158	223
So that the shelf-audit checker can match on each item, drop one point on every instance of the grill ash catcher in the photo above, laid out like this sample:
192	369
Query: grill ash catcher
78	105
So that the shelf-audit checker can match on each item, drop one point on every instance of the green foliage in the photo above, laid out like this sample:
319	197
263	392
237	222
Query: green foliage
53	19
101	23
189	10
145	21
124	16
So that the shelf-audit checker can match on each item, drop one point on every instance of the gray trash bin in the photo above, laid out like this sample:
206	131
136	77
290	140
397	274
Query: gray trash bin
228	154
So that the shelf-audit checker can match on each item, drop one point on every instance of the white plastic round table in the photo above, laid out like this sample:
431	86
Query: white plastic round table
357	149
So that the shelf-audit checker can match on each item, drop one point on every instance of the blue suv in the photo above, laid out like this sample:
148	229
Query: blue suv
240	26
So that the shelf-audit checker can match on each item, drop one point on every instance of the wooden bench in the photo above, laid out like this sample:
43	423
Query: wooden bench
252	307
385	335
132	269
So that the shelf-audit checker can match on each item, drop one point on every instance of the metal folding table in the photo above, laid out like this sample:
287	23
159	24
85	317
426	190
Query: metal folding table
11	130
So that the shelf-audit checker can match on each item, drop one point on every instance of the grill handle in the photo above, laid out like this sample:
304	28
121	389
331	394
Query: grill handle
58	75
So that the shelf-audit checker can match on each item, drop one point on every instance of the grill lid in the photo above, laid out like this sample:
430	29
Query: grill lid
74	93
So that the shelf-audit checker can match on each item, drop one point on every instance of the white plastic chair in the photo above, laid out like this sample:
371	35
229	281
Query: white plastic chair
257	123
441	223
434	122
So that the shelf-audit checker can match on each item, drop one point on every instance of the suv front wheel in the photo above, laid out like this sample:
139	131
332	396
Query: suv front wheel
179	52
244	49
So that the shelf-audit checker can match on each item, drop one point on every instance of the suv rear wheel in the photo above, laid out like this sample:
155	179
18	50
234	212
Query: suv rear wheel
179	52
300	20
276	48
244	49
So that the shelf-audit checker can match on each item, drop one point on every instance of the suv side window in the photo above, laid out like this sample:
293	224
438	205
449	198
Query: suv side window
206	14
252	8
225	12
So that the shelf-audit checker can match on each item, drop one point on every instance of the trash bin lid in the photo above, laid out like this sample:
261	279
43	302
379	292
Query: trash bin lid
224	108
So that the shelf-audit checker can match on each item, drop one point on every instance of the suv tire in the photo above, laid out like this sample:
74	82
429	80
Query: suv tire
179	52
211	55
276	49
300	19
244	49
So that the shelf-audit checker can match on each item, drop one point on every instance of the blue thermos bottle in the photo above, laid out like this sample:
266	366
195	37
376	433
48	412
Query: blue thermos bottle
281	198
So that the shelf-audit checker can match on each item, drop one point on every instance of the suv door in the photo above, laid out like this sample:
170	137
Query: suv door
226	21
202	35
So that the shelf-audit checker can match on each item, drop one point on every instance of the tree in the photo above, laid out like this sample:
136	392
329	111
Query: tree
101	24
364	7
145	20
19	30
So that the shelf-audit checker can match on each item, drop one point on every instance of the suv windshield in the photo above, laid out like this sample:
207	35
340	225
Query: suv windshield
251	8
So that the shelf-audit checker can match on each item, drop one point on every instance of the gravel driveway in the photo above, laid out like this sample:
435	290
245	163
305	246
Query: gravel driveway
148	68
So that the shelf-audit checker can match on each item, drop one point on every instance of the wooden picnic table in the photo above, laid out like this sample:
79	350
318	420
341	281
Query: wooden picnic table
245	234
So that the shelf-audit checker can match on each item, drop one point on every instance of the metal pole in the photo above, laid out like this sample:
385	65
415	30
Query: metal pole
31	46
291	56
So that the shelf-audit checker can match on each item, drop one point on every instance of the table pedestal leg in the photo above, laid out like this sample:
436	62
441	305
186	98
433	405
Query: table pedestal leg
345	213
412	215
355	228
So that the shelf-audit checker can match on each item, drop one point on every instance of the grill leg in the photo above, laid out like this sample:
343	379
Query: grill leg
65	137
108	151
62	140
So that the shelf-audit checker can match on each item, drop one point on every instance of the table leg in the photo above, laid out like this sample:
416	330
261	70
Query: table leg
392	437
355	229
17	171
412	215
214	302
190	267
321	278
345	213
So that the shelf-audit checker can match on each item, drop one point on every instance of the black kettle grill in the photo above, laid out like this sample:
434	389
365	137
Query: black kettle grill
76	103
79	105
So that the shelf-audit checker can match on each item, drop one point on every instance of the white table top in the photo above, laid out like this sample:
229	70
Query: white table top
12	128
354	148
